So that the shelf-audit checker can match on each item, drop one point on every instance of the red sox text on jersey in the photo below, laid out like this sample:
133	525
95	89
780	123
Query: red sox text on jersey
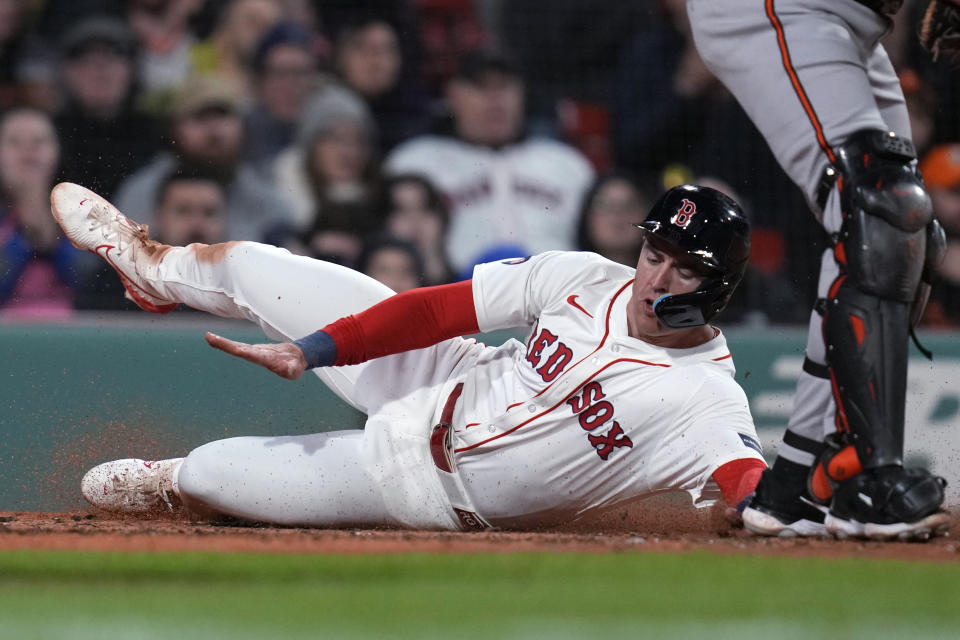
548	355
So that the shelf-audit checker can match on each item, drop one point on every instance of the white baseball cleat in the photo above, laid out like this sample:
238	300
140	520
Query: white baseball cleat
94	224
132	486
761	523
935	524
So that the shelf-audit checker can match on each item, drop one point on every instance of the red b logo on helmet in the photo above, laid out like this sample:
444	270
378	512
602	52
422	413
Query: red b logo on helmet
684	214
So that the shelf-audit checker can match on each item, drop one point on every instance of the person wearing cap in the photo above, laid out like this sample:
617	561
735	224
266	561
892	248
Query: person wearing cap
941	172
285	71
330	175
104	137
504	186
207	135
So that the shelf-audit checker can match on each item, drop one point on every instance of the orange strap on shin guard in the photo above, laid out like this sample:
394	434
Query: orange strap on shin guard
834	466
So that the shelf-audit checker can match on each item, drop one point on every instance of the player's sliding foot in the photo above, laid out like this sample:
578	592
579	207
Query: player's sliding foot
889	503
775	511
132	486
94	224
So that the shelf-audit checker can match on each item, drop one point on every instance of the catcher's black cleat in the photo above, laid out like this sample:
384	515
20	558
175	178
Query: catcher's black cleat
778	509
889	503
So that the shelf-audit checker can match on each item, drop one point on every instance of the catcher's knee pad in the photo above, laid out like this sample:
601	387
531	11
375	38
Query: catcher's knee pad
889	495
881	251
886	211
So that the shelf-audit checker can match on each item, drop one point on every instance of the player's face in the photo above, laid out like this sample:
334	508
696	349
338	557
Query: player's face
660	271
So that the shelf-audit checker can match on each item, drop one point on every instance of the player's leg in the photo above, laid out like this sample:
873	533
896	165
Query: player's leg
809	79
288	296
381	476
767	61
321	480
318	480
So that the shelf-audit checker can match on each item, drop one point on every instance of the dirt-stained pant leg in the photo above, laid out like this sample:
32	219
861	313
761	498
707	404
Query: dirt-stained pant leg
286	295
809	73
327	479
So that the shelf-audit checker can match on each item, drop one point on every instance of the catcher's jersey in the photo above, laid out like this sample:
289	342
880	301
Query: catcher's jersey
583	415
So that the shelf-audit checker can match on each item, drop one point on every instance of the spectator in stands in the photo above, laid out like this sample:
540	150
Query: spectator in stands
208	137
26	67
392	261
330	176
228	52
166	39
191	207
413	210
285	71
662	92
103	136
941	172
504	187
611	207
368	58
40	269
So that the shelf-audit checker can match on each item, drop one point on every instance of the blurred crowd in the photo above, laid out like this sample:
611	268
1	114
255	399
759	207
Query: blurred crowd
407	139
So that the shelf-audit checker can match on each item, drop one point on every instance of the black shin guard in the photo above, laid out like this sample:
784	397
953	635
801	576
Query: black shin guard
867	342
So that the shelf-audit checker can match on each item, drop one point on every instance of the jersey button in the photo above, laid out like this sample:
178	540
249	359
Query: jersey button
492	429
615	348
594	360
532	408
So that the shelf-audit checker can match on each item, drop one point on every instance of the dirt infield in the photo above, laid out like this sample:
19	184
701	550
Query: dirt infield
656	528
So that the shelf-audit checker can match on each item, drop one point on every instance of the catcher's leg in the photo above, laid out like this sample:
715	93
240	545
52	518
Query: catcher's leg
881	249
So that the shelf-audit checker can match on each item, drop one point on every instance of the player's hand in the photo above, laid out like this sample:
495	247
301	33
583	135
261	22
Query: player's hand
284	359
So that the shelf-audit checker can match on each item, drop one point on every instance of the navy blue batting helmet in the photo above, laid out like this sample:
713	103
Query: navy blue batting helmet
709	227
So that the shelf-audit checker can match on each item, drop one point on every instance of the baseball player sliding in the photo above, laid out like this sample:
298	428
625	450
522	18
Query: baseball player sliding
622	389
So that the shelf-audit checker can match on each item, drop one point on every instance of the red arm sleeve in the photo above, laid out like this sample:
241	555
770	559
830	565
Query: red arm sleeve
410	320
738	478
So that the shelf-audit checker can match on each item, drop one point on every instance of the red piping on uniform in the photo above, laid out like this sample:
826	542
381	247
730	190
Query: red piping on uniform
795	81
606	334
563	401
723	357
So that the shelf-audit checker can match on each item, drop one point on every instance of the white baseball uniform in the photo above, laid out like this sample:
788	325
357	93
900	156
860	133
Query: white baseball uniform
580	417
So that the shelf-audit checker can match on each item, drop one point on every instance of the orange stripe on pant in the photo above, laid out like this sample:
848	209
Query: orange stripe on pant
795	80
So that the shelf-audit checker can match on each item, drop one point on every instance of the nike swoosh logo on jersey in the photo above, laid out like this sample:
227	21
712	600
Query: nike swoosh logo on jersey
573	302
